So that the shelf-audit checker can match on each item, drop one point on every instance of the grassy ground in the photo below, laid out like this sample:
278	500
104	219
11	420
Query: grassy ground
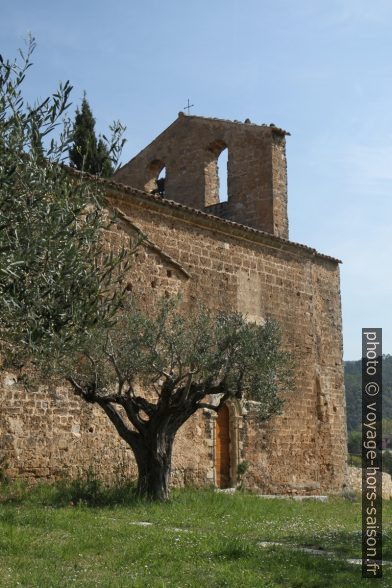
51	538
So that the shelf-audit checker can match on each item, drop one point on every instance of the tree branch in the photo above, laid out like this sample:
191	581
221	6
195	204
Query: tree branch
114	363
188	386
132	414
94	364
207	406
116	419
87	395
143	404
163	373
183	377
166	392
219	389
77	388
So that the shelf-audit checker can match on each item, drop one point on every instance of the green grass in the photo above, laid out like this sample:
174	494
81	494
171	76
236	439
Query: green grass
199	538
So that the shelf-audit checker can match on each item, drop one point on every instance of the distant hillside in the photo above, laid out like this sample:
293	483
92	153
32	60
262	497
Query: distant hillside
353	377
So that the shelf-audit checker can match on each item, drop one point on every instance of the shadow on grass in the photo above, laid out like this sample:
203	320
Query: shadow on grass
87	491
343	544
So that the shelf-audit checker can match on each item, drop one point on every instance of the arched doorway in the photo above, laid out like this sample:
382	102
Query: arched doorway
222	448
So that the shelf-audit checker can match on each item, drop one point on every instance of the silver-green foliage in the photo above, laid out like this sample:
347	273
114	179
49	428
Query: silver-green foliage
56	281
154	371
169	360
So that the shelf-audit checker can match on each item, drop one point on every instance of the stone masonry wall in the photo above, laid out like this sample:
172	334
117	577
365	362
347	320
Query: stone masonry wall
189	149
48	433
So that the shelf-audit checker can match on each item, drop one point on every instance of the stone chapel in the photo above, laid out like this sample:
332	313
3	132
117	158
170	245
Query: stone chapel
232	254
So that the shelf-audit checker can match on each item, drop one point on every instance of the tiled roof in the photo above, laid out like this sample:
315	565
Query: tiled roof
128	190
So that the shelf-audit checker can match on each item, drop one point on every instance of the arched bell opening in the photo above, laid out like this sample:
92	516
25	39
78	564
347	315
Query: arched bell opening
216	173
156	177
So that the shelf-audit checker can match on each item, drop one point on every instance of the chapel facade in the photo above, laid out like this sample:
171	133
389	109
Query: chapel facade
230	255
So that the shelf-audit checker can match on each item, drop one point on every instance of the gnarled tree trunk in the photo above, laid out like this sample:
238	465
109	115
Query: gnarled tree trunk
153	458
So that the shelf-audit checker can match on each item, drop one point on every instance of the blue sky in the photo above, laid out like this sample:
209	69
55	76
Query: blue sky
320	69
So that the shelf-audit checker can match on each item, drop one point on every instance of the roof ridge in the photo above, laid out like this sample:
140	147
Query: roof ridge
247	122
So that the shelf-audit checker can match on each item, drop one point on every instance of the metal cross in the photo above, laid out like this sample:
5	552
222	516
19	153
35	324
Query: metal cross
188	107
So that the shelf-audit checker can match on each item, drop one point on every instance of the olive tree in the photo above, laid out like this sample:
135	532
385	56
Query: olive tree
56	280
153	372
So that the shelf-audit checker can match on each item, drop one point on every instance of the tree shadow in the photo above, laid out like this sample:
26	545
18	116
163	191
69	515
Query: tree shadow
87	491
343	544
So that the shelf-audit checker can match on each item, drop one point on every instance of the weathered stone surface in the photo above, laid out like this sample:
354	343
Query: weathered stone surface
49	433
189	150
354	481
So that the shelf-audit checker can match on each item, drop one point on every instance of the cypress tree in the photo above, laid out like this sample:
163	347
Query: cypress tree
86	153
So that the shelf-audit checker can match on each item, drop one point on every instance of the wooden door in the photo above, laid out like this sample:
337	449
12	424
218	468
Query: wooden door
222	448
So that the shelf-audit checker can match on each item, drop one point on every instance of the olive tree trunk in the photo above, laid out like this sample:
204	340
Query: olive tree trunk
153	457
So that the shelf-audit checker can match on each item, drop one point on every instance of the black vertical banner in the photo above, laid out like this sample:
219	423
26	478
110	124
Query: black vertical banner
371	453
